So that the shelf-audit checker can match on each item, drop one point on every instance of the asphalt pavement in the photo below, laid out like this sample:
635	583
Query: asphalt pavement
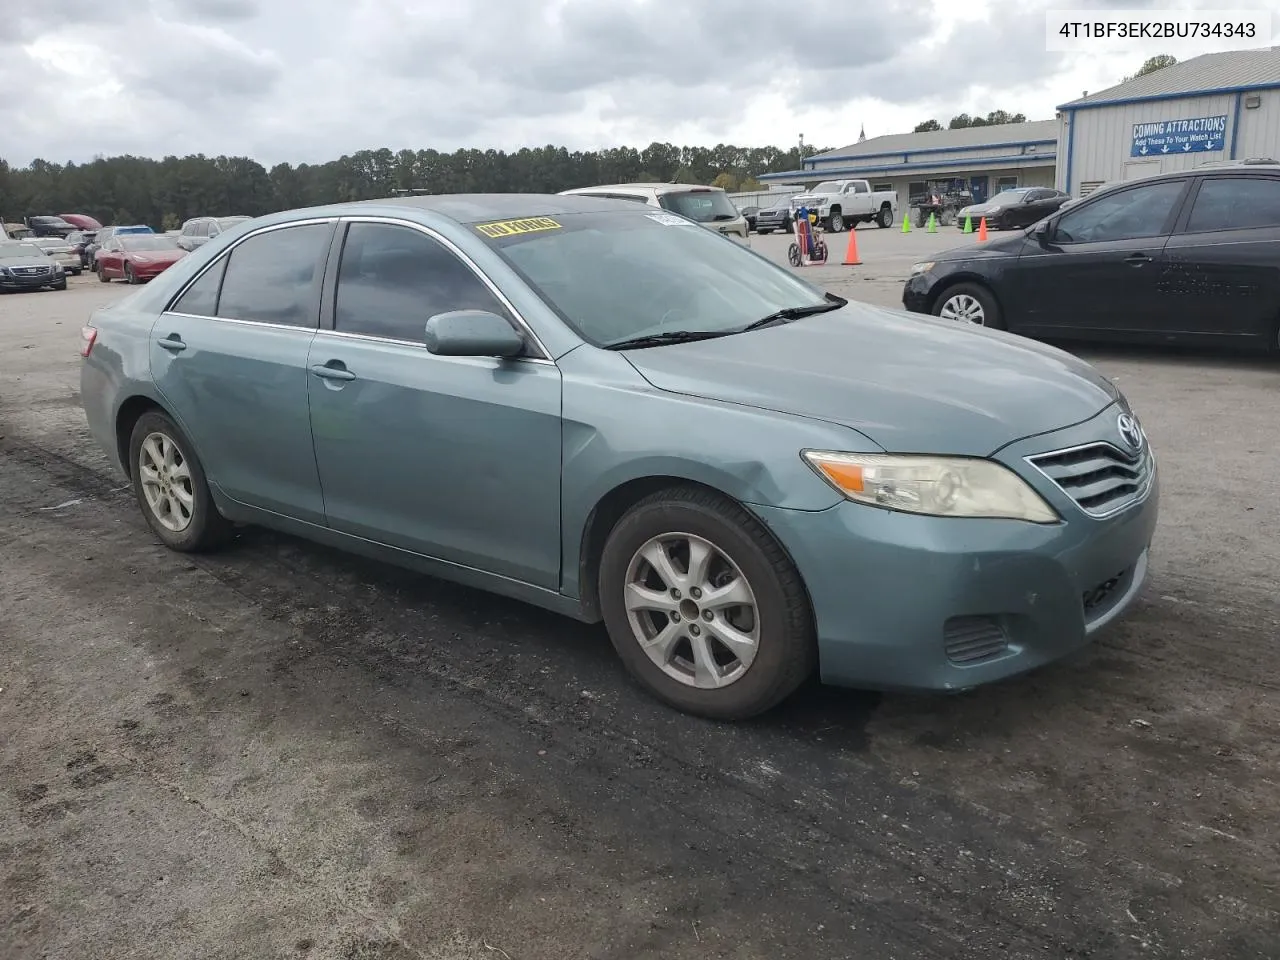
282	751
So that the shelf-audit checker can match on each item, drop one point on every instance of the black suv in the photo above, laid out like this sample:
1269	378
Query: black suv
1192	255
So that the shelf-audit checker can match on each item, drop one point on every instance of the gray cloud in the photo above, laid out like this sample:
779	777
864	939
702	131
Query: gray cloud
309	82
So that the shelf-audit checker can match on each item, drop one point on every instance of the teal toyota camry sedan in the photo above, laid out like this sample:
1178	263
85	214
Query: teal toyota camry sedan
608	411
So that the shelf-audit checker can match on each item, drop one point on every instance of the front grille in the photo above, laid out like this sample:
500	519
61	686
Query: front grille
972	640
31	271
1098	476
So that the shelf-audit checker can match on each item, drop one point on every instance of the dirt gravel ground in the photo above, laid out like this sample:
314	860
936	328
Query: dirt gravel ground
280	751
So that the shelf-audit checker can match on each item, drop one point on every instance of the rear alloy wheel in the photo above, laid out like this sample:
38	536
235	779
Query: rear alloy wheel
170	487
704	607
969	303
886	217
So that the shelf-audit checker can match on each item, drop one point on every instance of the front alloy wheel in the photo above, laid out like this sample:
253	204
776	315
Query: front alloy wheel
692	611
703	605
963	307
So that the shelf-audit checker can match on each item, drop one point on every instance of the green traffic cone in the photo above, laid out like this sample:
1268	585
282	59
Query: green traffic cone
906	223
933	224
968	224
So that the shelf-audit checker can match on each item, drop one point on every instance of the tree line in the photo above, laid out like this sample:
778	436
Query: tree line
163	193
1150	65
962	120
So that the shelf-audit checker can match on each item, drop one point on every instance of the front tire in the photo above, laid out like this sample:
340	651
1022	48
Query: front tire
170	487
61	284
129	276
102	276
835	223
704	607
969	303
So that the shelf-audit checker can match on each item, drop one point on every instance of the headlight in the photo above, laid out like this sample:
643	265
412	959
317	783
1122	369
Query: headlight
923	267
936	486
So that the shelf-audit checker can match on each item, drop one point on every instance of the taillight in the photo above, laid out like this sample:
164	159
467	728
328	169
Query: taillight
88	337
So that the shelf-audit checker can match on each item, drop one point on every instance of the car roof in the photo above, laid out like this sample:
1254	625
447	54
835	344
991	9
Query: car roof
482	207
641	189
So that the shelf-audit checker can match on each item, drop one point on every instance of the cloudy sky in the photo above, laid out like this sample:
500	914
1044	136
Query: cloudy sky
309	80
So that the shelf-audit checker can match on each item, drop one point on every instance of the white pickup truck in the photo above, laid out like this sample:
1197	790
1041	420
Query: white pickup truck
846	203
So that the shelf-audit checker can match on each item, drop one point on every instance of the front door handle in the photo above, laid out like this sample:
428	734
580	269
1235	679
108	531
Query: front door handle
333	370
1137	259
172	342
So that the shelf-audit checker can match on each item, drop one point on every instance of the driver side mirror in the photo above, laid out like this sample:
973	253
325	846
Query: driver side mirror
472	333
1042	232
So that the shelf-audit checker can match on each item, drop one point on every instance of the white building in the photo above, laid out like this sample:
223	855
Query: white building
979	161
1216	107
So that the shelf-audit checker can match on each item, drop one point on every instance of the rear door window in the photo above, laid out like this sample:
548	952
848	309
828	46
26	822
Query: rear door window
1235	203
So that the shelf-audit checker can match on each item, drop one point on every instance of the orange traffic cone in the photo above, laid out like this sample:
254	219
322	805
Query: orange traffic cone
982	230
851	252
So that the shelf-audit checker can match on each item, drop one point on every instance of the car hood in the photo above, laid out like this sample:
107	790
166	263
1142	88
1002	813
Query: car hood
1000	247
24	262
910	383
809	198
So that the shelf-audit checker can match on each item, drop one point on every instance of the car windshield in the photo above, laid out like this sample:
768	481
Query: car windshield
1011	196
705	206
620	275
75	237
140	242
133	230
19	250
828	186
52	244
50	221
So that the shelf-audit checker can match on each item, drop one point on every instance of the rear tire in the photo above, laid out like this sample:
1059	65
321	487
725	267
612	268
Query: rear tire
885	219
171	489
763	609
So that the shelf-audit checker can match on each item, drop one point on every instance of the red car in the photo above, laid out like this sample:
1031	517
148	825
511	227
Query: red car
135	257
81	221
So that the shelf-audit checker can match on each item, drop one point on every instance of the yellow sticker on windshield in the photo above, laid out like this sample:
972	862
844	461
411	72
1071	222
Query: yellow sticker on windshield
511	228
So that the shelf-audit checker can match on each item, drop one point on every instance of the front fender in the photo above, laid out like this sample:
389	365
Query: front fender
619	429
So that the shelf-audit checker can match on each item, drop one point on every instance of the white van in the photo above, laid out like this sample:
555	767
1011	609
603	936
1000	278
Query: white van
709	206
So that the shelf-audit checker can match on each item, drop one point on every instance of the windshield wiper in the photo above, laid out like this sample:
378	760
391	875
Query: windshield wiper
669	336
794	313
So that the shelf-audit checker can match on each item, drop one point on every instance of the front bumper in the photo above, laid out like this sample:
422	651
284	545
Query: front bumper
149	271
905	602
915	293
12	281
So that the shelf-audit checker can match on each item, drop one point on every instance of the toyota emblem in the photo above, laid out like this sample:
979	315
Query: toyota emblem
1130	432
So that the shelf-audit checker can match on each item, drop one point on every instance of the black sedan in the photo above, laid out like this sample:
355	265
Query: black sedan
1019	207
1183	256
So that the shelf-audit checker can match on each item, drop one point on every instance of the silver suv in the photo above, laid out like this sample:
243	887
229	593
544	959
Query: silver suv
709	206
200	230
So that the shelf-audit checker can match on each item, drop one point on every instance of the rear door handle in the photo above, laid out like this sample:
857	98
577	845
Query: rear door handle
172	342
333	370
1137	259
